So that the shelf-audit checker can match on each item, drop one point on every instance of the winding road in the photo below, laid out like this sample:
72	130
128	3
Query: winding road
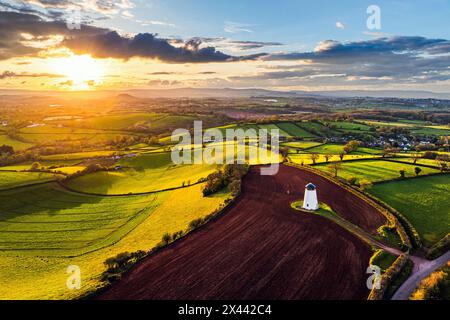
422	269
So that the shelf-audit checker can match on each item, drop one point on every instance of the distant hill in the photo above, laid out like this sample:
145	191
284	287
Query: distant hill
129	95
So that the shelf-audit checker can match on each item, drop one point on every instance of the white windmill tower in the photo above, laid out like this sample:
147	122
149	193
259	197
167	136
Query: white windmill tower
310	202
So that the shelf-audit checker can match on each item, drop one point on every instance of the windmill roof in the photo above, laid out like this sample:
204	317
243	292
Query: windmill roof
311	186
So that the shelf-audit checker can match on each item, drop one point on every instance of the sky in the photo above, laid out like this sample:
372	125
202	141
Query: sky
281	45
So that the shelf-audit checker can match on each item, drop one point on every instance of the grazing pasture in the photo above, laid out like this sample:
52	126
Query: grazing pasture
305	158
143	173
18	179
293	130
376	170
425	202
44	229
16	144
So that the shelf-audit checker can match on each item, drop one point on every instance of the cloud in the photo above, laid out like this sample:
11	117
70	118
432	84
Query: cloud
100	43
147	45
11	74
236	27
156	23
14	25
251	45
340	25
383	60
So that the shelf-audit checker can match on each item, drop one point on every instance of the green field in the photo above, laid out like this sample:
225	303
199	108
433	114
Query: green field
16	144
293	130
350	126
143	173
424	201
339	148
302	144
376	170
17	179
305	158
44	229
270	127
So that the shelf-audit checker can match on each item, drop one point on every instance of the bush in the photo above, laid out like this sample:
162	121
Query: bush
121	263
388	277
439	248
194	224
435	286
166	239
218	180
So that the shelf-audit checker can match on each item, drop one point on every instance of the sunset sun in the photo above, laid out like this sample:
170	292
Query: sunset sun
81	72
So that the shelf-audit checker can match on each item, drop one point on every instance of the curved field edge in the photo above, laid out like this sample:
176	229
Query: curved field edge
266	251
394	218
424	201
43	277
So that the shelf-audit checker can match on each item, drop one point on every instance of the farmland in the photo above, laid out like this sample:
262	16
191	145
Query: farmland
425	203
118	190
376	170
18	179
88	230
263	241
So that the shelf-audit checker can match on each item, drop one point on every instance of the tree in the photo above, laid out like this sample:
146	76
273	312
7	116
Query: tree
341	156
166	238
327	157
351	146
402	173
416	156
442	161
314	157
417	170
284	153
364	184
35	166
335	167
235	187
4	149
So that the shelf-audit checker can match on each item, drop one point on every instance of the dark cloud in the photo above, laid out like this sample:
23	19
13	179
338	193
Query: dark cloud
147	45
13	25
251	45
101	43
11	74
207	72
162	73
390	60
335	51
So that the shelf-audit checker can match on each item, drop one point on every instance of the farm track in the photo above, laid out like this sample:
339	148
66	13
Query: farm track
261	248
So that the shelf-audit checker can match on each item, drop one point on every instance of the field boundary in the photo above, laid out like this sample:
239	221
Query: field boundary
393	220
64	186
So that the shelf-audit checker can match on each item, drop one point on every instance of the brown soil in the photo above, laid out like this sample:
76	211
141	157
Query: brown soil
263	249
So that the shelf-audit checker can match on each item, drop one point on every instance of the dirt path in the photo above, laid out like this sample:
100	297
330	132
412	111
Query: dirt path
261	248
422	269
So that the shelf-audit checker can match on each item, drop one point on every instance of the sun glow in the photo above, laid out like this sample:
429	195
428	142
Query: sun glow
81	72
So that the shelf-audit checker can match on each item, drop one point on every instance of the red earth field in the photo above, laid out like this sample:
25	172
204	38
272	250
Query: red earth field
261	248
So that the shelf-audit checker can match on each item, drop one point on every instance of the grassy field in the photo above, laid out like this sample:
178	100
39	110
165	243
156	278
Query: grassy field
350	126
293	130
302	144
339	148
305	158
17	179
425	202
17	145
143	173
80	155
376	170
270	127
70	224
